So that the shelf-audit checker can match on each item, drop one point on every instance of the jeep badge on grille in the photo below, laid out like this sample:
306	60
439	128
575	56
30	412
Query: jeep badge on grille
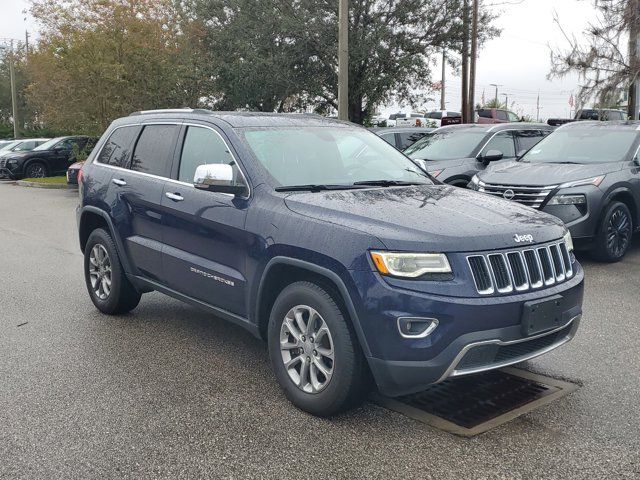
528	238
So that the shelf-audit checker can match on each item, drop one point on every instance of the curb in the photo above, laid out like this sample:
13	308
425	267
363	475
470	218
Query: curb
51	186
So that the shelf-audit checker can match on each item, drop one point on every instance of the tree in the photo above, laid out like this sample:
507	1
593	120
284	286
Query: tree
607	63
100	59
284	52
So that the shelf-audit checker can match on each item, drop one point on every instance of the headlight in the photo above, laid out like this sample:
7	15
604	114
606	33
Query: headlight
475	180
568	241
595	181
475	183
568	200
410	265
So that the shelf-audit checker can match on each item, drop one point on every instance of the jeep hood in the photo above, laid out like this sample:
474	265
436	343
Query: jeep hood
429	217
540	174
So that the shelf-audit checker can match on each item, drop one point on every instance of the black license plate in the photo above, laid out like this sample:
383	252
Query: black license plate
541	315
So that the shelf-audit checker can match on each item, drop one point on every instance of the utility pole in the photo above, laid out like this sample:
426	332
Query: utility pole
496	85
14	97
474	56
538	107
444	68
633	103
343	60
465	61
506	100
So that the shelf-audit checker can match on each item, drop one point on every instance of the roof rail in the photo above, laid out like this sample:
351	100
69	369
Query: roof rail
171	110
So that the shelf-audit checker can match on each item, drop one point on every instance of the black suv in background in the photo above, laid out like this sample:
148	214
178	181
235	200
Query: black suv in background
454	154
51	158
585	173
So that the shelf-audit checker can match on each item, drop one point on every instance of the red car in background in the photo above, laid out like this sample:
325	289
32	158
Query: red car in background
73	172
496	115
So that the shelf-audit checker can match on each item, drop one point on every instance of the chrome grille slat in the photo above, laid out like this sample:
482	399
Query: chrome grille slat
520	270
527	195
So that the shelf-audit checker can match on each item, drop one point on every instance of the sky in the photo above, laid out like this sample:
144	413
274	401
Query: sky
518	59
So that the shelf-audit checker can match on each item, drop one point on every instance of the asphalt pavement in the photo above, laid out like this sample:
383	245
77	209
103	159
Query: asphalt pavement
169	391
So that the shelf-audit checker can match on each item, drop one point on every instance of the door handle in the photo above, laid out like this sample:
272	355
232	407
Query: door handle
119	182
176	197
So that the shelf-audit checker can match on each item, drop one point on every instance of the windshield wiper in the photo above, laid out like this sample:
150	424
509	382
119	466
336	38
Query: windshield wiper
387	183
313	187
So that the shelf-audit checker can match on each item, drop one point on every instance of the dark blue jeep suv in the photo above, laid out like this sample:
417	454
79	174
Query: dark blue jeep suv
319	237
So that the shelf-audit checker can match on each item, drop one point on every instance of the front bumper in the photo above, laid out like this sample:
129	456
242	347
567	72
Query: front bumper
473	335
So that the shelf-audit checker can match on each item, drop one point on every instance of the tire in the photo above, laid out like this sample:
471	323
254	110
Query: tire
36	170
614	233
319	394
101	266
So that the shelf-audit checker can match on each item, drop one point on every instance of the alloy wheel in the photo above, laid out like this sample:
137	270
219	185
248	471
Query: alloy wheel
306	346
100	271
618	232
37	171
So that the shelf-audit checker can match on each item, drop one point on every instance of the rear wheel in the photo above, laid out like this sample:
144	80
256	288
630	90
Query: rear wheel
314	353
36	170
614	233
109	289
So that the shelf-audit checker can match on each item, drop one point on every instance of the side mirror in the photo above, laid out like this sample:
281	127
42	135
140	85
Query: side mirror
217	177
492	156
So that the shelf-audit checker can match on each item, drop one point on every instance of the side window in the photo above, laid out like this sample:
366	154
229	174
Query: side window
390	138
528	138
513	117
66	144
484	113
503	142
408	139
117	149
154	150
501	115
201	147
435	115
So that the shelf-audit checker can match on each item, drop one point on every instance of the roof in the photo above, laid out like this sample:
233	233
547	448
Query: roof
248	119
494	127
379	130
595	124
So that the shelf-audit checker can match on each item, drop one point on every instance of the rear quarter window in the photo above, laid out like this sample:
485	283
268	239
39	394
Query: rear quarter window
117	150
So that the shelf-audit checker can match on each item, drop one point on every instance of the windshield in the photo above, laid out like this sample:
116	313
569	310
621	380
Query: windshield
329	156
8	146
446	145
47	145
584	146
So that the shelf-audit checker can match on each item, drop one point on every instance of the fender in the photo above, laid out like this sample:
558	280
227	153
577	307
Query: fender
628	189
334	277
126	264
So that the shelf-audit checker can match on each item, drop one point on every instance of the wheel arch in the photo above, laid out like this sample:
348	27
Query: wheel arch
92	218
282	271
31	161
623	195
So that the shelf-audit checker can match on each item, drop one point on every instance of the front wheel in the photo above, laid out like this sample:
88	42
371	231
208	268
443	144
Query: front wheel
36	170
314	353
614	233
109	289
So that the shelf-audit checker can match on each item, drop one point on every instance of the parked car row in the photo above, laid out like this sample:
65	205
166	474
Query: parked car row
44	158
585	173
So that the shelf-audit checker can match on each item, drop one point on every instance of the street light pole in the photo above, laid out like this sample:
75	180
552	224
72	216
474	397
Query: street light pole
343	60
506	100
496	85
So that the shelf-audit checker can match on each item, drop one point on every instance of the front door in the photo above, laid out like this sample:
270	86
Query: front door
205	245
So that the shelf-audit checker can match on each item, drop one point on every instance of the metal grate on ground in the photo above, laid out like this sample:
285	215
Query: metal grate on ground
474	404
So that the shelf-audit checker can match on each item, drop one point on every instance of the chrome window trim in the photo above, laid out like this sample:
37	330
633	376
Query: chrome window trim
502	131
452	372
159	177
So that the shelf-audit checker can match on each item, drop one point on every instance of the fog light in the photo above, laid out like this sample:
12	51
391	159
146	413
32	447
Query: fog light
413	327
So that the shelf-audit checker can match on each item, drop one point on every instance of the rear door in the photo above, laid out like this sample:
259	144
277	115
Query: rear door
137	186
205	242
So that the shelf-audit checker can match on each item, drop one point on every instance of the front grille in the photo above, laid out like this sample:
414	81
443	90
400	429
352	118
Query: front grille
530	196
521	270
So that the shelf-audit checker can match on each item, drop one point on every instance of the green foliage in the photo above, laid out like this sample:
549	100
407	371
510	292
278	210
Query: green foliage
493	103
